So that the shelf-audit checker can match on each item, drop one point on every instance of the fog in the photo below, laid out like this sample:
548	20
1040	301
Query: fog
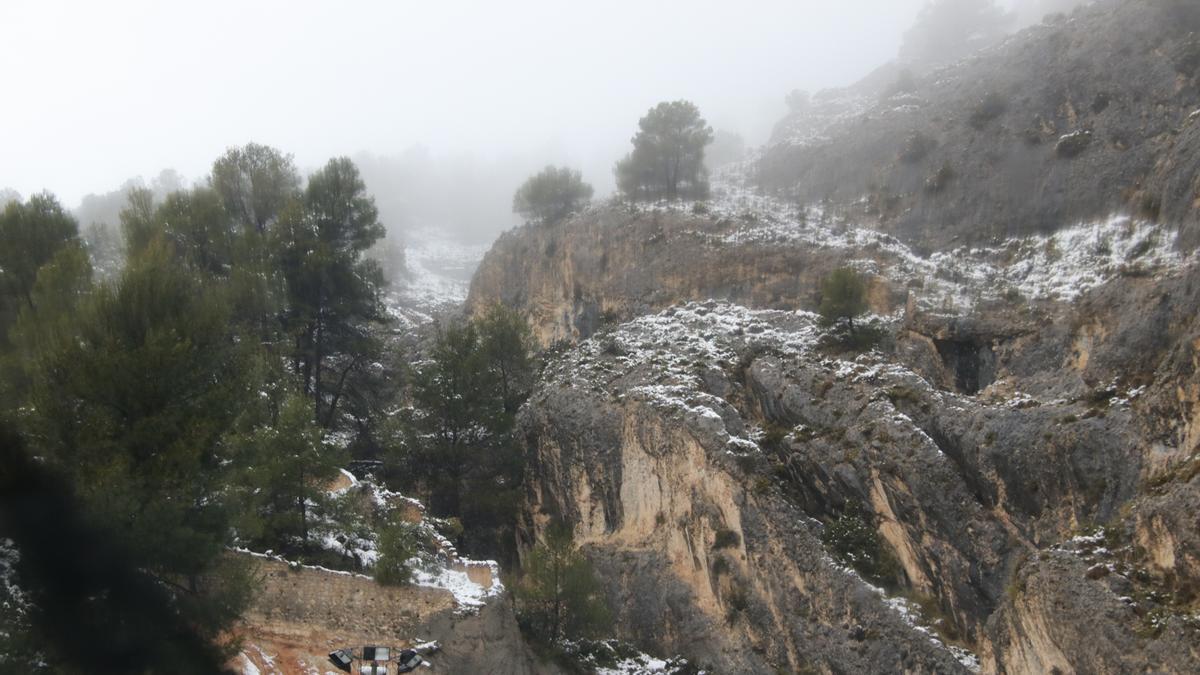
446	106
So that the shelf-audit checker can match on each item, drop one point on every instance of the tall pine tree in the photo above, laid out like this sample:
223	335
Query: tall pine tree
130	401
332	288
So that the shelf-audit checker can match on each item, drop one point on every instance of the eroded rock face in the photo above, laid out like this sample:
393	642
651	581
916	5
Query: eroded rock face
615	262
1024	444
702	452
612	263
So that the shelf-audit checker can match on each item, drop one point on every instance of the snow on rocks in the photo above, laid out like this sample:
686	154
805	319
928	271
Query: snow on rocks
437	278
824	111
467	594
472	582
271	555
248	667
1058	266
13	601
441	568
911	615
612	657
643	664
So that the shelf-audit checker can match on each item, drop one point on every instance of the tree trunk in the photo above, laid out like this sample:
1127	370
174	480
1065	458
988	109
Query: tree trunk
337	394
318	357
303	514
556	626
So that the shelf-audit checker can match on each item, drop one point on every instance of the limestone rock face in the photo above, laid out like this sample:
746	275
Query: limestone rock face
701	454
613	263
1018	455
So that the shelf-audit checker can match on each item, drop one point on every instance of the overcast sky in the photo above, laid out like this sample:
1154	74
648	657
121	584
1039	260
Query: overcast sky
97	92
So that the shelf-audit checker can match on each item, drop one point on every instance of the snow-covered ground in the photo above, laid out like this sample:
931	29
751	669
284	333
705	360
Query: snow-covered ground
441	567
824	111
613	657
438	276
1059	266
434	569
13	602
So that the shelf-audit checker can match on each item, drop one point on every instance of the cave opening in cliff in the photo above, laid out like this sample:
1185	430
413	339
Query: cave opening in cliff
973	364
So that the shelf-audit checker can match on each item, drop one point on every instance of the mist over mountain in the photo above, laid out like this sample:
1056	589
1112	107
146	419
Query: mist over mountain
626	339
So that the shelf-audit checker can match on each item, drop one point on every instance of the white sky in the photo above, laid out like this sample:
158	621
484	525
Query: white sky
97	92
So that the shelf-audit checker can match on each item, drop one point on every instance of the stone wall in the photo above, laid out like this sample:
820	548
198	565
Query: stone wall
350	605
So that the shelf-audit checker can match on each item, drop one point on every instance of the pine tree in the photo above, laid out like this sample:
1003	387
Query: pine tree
285	468
508	345
138	225
199	228
62	284
559	595
458	447
31	234
332	289
397	546
458	408
843	297
256	183
131	403
667	161
551	195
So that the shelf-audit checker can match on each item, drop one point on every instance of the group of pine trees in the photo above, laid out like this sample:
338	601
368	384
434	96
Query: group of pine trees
185	403
186	397
667	162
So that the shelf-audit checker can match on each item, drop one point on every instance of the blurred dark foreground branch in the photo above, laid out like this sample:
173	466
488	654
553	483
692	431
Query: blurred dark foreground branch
92	610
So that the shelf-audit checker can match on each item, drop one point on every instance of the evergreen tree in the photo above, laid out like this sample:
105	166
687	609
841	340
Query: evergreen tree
61	285
551	195
255	182
286	468
138	225
131	401
332	289
201	231
667	161
397	546
508	345
84	603
31	234
843	297
458	409
559	595
459	448
948	30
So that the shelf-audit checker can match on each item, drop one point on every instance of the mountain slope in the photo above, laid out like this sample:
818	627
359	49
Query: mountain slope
1064	122
1006	482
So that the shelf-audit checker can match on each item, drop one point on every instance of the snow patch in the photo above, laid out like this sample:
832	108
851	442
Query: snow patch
467	593
437	277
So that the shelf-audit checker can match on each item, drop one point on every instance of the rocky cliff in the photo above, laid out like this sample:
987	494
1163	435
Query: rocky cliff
616	262
1006	481
710	455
